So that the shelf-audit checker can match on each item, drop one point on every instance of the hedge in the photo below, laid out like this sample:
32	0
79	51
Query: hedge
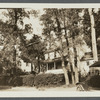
94	81
49	80
3	80
32	80
15	81
28	80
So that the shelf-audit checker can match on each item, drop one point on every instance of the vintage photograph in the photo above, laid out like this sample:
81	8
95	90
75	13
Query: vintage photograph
49	49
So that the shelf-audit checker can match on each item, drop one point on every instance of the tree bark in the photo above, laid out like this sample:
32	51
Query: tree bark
74	60
67	44
65	73
93	35
62	56
38	65
31	67
72	73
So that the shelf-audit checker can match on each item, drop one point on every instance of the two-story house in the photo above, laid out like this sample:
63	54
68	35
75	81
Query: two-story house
53	61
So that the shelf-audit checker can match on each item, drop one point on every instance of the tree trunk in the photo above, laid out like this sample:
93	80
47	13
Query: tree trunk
38	65
62	56
72	73
76	75
65	73
93	35
67	44
31	67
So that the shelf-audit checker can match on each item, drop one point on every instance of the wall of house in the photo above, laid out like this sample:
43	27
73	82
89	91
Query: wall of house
84	66
52	55
25	66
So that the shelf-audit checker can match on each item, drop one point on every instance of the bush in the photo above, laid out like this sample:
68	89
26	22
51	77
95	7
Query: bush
25	80
94	81
32	80
3	80
28	80
49	80
15	81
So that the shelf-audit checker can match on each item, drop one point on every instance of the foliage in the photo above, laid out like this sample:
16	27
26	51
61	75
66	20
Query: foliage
33	51
12	33
49	80
24	80
94	81
87	27
15	81
60	25
28	80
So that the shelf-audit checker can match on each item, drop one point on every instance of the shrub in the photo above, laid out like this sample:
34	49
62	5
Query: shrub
49	80
94	81
28	80
3	80
15	81
25	80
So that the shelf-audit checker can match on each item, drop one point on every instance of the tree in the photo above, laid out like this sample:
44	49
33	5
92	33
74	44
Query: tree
13	34
75	31
93	34
65	24
33	51
91	30
52	24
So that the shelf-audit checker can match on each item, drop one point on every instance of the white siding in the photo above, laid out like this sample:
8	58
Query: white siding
46	56
24	67
51	55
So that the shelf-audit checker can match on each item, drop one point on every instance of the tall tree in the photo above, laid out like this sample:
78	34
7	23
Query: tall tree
53	25
65	23
93	34
73	25
33	52
12	31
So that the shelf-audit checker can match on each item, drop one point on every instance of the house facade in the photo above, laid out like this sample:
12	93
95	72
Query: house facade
95	68
53	61
86	61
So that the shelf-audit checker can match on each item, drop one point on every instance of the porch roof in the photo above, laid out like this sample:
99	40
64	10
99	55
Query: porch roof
96	64
52	60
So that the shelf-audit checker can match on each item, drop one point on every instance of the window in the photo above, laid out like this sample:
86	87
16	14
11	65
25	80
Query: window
50	66
58	65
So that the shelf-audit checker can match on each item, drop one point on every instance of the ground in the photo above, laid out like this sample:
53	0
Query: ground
61	91
60	88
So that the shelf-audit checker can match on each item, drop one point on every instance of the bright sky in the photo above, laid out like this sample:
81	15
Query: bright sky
36	24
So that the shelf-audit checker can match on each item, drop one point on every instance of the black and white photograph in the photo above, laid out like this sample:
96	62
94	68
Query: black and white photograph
50	49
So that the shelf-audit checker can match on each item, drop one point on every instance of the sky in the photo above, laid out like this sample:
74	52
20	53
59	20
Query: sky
36	24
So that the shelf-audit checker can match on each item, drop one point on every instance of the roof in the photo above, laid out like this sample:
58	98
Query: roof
87	56
51	50
96	64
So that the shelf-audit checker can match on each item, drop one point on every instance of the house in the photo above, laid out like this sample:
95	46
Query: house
95	68
85	62
53	61
25	66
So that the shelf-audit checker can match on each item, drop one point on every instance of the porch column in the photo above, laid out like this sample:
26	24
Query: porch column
47	66
40	68
54	65
48	56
